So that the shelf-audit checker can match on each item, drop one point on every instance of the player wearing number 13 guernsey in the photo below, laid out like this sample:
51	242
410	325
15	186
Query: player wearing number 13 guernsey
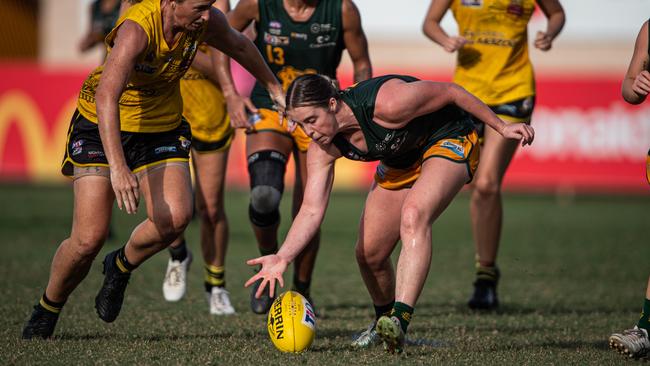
295	37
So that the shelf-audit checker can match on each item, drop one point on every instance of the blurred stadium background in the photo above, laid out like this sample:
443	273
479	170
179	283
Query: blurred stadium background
588	139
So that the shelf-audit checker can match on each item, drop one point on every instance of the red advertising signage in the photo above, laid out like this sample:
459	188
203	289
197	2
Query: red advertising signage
587	138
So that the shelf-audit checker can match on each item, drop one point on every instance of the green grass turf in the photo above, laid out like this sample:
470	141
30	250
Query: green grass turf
573	271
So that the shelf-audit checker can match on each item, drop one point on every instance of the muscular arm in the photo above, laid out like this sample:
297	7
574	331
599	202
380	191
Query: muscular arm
355	41
399	102
432	29
636	84
129	42
320	177
239	18
234	44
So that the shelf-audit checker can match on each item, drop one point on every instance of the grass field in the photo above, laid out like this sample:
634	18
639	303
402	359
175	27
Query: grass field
574	270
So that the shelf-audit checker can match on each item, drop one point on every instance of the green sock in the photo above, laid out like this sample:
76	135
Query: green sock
644	322
404	313
49	305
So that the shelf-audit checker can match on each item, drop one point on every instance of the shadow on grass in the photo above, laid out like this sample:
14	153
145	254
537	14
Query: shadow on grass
136	338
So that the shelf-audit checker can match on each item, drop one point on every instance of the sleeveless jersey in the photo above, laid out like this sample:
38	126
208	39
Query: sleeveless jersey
151	100
293	48
397	148
203	104
494	64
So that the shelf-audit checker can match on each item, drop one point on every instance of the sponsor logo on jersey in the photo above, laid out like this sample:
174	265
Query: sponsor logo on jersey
275	24
472	3
454	147
77	150
296	35
276	40
321	27
516	8
275	31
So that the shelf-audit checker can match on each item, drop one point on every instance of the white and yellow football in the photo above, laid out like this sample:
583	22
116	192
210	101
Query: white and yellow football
291	322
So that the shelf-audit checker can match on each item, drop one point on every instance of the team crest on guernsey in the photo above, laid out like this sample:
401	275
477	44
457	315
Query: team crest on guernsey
516	8
472	3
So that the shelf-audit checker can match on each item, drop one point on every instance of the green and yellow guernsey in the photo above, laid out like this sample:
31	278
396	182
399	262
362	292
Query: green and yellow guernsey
295	48
397	148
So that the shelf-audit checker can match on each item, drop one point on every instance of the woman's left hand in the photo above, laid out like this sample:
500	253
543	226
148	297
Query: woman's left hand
519	131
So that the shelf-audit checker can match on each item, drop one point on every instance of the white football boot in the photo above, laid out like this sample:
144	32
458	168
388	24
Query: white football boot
367	338
633	343
219	300
390	331
175	283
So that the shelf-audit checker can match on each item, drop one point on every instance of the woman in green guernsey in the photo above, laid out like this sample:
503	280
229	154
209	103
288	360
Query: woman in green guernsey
128	142
295	37
423	136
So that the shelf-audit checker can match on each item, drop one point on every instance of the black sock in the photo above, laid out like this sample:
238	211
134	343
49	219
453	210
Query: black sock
214	276
383	310
302	287
268	250
178	253
644	322
403	312
49	305
122	263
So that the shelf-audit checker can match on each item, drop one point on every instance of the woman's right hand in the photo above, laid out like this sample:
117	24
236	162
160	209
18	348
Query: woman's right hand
126	188
273	266
641	84
239	108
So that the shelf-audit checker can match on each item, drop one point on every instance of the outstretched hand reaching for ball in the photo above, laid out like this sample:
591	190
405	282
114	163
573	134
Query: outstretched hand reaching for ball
273	266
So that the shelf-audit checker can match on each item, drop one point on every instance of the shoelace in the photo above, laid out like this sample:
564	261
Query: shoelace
222	300
175	276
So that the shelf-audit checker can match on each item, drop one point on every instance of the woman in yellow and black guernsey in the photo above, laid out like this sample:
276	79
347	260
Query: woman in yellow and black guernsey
493	64
127	139
296	37
635	342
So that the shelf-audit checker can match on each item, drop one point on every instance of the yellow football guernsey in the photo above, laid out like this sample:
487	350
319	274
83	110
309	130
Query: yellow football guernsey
151	101
494	64
204	106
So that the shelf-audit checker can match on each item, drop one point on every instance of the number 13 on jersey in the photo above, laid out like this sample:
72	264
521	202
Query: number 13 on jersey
275	55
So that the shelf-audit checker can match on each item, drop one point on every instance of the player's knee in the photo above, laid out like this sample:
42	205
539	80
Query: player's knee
211	214
486	187
88	245
172	223
369	258
266	169
413	219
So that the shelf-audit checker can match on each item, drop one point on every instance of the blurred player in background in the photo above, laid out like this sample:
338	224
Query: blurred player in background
636	86
493	64
128	139
296	37
103	15
428	149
